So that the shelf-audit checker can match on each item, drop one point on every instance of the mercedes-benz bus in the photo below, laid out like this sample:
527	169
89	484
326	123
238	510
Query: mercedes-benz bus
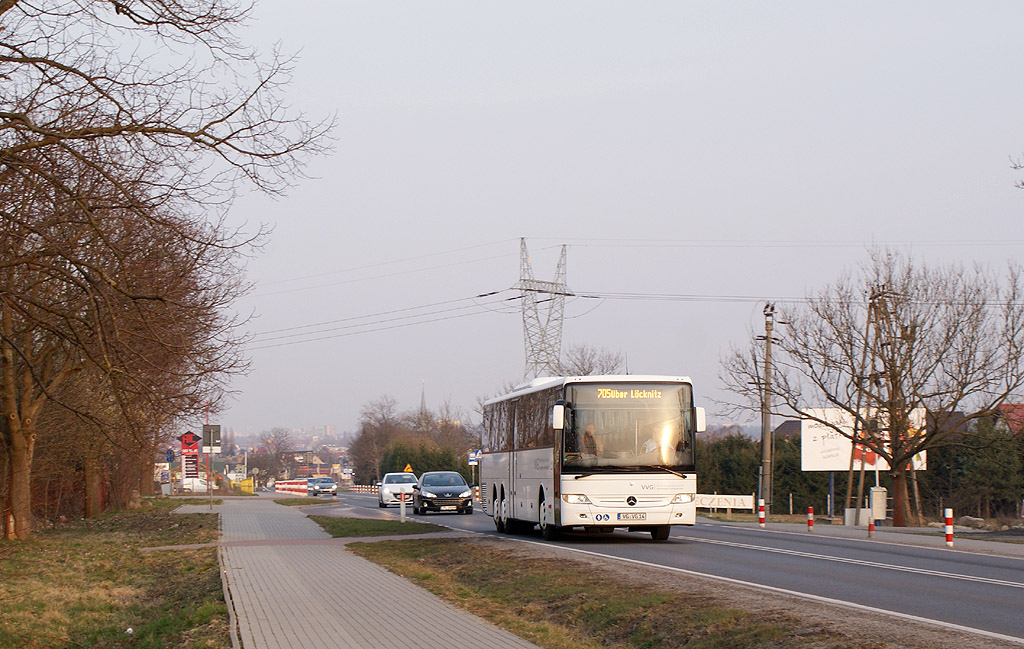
597	452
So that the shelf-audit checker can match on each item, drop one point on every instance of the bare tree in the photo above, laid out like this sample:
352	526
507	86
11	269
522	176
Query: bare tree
274	443
586	360
379	425
133	298
114	148
897	338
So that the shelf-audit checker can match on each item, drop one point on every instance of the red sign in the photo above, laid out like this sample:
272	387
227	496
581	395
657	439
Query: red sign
190	443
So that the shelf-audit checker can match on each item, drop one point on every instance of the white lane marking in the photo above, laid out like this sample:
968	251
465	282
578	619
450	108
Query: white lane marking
859	562
939	546
793	593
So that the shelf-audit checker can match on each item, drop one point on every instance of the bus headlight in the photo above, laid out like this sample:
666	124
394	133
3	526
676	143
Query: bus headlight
682	499
576	499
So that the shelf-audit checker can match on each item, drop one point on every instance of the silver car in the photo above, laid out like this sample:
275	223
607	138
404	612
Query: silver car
394	486
321	486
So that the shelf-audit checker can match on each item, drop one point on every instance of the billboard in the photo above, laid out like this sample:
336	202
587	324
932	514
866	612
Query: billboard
822	448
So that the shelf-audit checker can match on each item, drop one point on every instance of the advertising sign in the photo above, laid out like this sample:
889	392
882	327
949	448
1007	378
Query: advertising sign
822	448
189	444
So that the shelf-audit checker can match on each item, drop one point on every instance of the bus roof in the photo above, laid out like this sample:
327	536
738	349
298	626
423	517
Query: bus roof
545	382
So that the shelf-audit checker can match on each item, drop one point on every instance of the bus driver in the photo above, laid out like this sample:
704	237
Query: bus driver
588	442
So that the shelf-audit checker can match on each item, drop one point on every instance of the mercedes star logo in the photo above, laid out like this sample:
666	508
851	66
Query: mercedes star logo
631	501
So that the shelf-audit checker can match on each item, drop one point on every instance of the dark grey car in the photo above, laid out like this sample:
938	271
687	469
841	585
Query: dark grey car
442	491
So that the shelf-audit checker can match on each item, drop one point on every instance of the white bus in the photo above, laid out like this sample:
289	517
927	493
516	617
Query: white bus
597	452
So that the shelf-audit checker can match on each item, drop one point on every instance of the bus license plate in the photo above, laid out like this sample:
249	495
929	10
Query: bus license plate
633	516
448	508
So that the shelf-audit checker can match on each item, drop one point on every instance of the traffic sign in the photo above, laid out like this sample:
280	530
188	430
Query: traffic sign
408	468
211	438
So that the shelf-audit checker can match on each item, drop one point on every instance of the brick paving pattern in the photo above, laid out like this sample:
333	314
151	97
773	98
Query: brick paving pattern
293	587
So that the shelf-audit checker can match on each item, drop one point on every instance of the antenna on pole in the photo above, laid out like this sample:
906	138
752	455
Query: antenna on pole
543	307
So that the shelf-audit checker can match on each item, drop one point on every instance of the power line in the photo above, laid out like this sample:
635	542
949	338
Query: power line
768	244
376	322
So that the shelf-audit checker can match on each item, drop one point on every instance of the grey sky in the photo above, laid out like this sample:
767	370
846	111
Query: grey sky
715	149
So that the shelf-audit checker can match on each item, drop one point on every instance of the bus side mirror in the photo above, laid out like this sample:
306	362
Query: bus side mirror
558	416
702	424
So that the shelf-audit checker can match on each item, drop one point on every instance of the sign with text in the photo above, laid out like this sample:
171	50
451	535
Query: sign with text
824	448
189	444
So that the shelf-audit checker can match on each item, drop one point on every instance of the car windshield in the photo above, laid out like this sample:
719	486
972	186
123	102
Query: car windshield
443	480
403	478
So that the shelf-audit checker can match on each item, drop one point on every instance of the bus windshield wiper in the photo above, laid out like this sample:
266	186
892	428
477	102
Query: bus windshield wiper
667	470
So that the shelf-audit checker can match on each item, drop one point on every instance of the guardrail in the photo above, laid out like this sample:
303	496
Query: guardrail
372	489
293	487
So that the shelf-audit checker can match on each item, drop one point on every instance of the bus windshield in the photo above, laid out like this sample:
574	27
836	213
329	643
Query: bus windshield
628	426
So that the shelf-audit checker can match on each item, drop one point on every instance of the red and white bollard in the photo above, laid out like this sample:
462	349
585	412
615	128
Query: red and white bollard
871	527
760	512
949	527
810	519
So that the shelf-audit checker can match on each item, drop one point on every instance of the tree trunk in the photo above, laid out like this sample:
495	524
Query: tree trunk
92	485
23	442
900	497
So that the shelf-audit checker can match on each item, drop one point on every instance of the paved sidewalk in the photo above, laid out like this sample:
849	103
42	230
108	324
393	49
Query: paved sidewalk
291	586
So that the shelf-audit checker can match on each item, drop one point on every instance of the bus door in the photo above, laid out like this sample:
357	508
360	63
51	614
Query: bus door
513	462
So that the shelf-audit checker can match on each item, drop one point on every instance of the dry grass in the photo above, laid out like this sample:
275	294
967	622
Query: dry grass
85	583
565	604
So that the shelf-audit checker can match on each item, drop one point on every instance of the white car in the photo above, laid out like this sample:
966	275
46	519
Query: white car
194	485
393	484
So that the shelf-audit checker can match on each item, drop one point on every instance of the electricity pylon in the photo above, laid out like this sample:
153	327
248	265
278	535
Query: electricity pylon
542	325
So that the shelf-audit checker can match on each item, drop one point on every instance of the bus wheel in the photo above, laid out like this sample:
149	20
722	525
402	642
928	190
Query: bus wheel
660	532
548	531
499	521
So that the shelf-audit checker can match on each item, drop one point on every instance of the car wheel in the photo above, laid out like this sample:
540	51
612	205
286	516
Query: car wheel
380	503
660	532
468	510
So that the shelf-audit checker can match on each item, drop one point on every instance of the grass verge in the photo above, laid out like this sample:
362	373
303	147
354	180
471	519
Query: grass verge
297	502
345	527
85	583
565	604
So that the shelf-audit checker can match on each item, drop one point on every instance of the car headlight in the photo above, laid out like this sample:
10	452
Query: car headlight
576	499
682	499
466	494
386	490
428	494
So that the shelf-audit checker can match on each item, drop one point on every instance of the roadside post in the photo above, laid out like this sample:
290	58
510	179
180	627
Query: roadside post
949	527
810	519
760	512
211	445
401	505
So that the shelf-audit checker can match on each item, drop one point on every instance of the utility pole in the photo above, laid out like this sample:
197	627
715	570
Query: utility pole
766	406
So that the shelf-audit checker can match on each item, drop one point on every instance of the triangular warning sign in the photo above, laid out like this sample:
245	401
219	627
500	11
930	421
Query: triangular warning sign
408	468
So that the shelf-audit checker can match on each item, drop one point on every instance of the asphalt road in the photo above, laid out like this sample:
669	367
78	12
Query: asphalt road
972	591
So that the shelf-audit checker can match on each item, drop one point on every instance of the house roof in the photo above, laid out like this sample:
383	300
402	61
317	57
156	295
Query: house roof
1013	415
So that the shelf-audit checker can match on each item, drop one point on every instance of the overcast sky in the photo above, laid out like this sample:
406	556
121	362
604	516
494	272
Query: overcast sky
738	152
